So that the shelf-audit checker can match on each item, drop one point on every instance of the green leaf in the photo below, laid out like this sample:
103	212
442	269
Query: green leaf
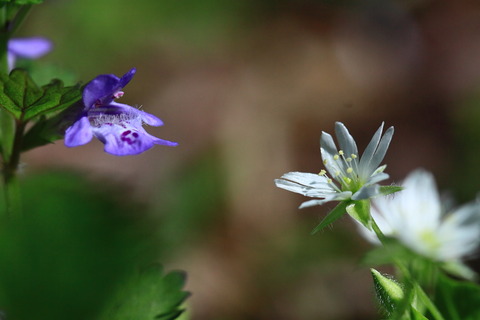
386	190
25	100
389	293
360	211
458	300
149	295
44	131
68	252
332	216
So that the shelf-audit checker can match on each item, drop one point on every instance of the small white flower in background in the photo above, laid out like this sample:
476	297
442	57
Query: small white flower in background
349	176
416	217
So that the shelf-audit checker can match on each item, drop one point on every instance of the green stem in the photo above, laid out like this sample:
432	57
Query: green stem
18	19
10	179
428	302
404	270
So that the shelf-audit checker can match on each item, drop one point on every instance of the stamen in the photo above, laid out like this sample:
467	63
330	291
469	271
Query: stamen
118	94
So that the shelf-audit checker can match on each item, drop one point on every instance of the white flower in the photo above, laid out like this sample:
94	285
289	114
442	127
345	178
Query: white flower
356	177
415	217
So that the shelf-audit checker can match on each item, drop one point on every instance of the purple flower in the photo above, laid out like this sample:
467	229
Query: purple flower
118	126
28	48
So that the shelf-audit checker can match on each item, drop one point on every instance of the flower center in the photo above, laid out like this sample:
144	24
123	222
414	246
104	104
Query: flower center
345	170
429	239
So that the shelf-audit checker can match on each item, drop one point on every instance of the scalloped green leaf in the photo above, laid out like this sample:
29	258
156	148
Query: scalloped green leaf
332	216
20	96
150	294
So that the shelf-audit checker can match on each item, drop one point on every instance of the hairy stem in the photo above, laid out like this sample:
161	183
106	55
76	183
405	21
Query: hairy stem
406	273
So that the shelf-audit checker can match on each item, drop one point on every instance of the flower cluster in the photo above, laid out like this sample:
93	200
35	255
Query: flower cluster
118	126
354	177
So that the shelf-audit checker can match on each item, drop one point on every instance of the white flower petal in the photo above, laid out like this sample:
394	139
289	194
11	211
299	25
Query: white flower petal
345	140
336	197
307	184
382	148
366	192
376	178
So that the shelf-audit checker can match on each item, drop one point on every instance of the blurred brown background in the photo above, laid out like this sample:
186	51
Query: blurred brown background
246	87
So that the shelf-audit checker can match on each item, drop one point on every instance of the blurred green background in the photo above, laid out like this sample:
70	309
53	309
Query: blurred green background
246	87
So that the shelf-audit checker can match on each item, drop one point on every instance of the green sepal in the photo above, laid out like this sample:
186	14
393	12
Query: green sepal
457	300
360	211
332	216
386	190
149	294
20	96
389	293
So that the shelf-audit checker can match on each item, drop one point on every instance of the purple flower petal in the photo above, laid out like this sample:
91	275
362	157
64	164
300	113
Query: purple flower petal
146	117
125	140
79	133
30	48
102	89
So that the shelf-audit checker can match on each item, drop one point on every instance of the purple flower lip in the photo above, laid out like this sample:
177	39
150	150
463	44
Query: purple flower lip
118	126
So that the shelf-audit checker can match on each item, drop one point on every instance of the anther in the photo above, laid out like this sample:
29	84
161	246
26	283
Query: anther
349	170
340	152
336	157
354	156
118	94
322	172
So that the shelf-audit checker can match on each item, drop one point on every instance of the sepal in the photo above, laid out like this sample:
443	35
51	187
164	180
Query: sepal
389	293
360	211
386	190
332	216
